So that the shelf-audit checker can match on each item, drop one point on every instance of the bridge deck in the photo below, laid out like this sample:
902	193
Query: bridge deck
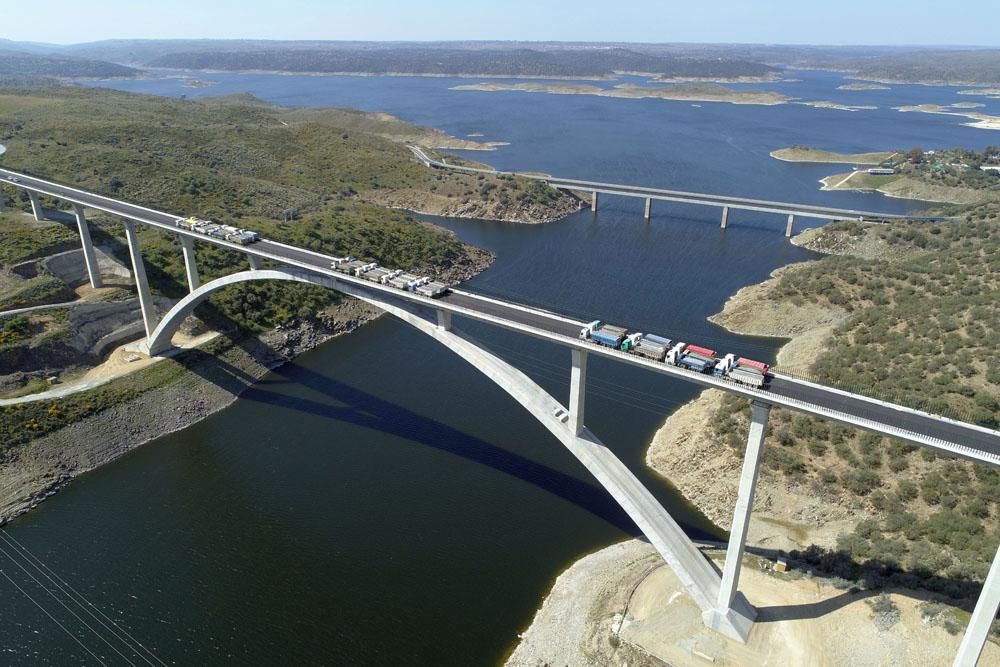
683	196
896	421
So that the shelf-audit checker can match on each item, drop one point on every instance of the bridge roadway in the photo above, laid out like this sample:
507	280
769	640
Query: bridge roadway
682	196
948	436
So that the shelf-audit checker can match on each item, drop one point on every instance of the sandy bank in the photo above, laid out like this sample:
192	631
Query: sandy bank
979	120
825	104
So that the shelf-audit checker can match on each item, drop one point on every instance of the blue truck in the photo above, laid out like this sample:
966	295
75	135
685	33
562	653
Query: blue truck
604	334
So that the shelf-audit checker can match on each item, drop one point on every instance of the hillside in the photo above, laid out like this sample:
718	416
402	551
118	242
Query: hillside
904	312
307	177
413	59
19	66
979	67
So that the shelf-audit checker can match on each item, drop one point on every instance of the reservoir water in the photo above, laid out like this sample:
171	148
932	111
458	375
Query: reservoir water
378	501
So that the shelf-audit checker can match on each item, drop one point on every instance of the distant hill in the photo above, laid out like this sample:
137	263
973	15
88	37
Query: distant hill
963	67
18	66
560	62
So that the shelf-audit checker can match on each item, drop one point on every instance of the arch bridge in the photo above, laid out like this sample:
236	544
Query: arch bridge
716	592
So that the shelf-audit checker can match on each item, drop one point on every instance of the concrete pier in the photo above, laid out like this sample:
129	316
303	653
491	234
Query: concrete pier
788	227
141	282
444	319
3	200
190	264
593	201
649	208
93	272
577	391
254	262
744	504
725	217
36	206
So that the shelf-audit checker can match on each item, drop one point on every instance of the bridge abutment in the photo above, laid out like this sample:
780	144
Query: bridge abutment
93	272
141	282
254	262
36	206
725	217
190	263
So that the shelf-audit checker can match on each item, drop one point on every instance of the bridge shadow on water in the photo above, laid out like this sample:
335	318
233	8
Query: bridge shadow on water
362	409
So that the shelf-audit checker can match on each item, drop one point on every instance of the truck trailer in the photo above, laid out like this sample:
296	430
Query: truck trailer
604	334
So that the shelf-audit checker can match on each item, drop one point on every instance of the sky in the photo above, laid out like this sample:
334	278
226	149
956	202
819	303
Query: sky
938	22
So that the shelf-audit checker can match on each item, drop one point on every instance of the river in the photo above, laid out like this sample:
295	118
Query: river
380	502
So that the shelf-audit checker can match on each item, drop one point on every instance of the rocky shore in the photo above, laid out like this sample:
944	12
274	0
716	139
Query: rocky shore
429	203
34	472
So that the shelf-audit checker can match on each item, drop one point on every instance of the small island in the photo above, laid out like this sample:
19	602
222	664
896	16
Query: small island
687	92
979	120
864	85
807	154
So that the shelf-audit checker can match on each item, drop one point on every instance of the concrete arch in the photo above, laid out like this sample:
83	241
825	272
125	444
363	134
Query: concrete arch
698	575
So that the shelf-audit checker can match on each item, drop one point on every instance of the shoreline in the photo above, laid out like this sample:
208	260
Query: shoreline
613	76
40	468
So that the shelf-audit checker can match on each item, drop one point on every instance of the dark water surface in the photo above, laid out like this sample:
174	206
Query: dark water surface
379	501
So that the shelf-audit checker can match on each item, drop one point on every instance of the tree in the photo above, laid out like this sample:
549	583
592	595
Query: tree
916	155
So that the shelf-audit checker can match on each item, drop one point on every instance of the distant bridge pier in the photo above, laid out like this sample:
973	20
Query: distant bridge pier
93	272
788	226
577	391
141	282
36	206
982	618
3	199
593	201
649	208
254	262
444	319
190	263
730	609
725	217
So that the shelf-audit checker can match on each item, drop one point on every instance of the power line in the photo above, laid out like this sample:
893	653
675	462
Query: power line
86	604
66	607
54	619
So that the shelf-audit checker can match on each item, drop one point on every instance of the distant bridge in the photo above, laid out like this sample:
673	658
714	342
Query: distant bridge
723	607
725	202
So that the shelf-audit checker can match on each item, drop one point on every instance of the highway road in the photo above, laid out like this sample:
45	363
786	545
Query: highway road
958	438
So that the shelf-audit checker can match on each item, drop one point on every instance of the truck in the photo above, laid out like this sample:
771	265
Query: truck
749	372
604	334
346	265
693	357
377	273
215	230
647	345
742	370
433	289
